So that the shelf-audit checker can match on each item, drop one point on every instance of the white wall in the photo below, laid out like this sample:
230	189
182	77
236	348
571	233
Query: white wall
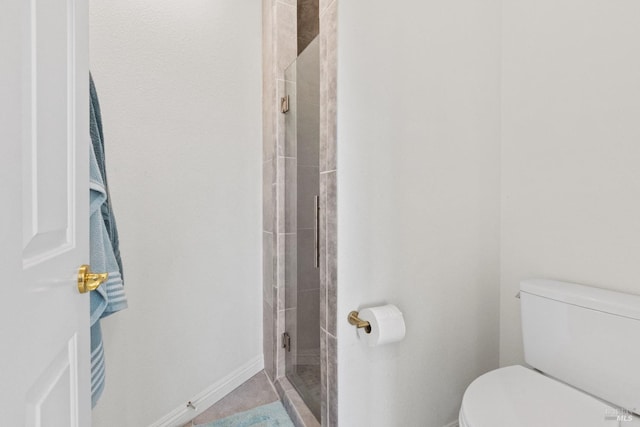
570	149
418	203
180	86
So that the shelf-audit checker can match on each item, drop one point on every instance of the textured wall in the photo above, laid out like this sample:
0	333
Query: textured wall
570	151
418	203
180	89
308	22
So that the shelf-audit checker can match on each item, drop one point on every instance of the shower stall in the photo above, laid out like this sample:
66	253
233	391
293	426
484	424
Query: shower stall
301	106
300	208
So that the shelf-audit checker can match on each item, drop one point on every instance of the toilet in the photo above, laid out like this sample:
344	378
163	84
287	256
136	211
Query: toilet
583	348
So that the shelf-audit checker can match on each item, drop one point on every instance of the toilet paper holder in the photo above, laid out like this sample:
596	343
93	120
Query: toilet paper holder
358	322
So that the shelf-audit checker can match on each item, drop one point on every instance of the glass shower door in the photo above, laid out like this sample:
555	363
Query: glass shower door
302	188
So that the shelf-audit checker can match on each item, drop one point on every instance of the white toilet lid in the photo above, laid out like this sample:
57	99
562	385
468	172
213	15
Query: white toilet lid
519	397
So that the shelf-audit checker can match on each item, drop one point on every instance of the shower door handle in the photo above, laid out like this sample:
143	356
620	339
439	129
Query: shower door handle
316	261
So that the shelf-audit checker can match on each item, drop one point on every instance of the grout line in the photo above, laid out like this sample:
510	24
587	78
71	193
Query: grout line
285	80
322	12
325	331
300	291
328	172
287	4
273	386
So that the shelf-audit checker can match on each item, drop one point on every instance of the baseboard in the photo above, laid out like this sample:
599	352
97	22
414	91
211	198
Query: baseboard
211	395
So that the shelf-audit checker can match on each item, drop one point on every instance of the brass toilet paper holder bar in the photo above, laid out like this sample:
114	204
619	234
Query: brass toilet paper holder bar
358	322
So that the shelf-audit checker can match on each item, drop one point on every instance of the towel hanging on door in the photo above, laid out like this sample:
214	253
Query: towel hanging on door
104	252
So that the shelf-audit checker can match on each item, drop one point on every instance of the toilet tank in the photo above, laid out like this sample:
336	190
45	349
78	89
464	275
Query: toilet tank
584	336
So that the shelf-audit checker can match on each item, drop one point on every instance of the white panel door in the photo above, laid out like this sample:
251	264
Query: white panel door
44	214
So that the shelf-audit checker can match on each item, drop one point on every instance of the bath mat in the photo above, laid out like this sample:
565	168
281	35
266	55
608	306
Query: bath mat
271	415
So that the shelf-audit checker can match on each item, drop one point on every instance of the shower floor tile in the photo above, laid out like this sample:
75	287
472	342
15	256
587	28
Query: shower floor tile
306	379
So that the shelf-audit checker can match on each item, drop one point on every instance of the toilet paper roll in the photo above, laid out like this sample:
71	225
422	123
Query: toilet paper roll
387	325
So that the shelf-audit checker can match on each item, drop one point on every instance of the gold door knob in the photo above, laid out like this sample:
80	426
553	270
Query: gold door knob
88	281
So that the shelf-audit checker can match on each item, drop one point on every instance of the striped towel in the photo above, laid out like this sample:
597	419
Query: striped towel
104	254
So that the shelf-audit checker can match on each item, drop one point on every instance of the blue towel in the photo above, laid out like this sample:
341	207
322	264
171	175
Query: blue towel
104	254
97	141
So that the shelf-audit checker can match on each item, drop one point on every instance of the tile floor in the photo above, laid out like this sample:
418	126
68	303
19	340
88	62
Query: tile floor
257	391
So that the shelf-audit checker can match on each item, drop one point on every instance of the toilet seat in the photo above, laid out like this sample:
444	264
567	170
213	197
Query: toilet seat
519	397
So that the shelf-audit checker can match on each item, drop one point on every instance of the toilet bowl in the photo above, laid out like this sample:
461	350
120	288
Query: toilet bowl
581	342
516	396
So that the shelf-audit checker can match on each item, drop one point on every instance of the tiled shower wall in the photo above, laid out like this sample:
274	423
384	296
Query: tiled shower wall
279	50
328	217
308	22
